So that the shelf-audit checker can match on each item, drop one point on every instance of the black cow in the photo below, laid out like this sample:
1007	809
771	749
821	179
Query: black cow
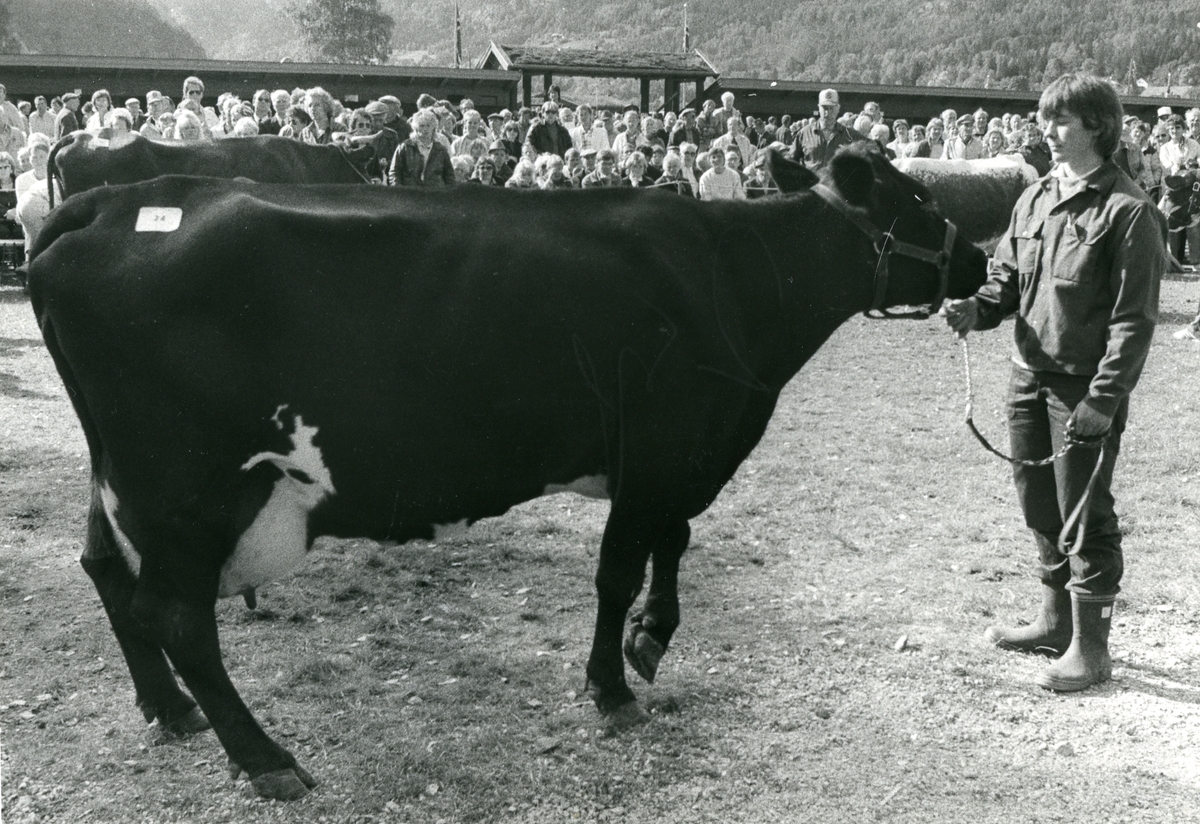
256	365
81	161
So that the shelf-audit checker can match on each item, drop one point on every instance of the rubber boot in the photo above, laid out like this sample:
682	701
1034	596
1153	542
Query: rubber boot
1086	661
1049	634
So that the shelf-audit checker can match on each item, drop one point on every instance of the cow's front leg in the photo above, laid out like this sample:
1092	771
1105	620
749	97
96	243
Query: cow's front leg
628	542
650	631
186	628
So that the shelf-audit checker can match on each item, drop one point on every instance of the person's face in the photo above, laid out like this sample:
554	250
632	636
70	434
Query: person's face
102	103
606	119
361	125
917	133
41	104
262	107
935	130
689	157
727	103
733	161
637	167
966	130
166	124
424	129
511	132
1070	141
606	166
189	131
498	156
657	158
550	115
829	113
586	118
1176	132
1137	133
280	104
589	163
871	110
39	156
193	92
485	172
981	120
633	122
717	161
995	143
901	131
296	123
1033	135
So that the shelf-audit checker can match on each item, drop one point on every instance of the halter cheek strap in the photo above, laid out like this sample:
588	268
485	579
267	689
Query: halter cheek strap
887	245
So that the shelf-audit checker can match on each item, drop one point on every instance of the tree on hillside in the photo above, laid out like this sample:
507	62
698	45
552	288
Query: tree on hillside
346	31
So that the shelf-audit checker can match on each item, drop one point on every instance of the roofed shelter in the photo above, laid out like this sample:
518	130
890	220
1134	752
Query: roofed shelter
673	68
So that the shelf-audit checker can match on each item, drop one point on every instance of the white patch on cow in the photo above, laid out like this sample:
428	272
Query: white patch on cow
589	486
158	219
275	544
452	530
108	499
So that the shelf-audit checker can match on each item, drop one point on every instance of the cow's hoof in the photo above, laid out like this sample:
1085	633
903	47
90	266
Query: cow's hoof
190	723
642	652
625	717
284	785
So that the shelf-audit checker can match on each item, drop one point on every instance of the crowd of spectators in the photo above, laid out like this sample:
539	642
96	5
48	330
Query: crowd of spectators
714	153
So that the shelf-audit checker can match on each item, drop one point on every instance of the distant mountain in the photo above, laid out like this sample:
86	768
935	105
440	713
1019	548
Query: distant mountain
114	28
999	43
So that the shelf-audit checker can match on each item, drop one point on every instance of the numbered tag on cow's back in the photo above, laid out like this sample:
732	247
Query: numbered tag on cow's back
158	219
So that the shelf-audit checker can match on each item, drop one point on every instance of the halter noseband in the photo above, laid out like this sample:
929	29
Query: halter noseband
887	245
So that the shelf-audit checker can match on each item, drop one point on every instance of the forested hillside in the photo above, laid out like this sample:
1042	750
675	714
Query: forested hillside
112	28
1001	43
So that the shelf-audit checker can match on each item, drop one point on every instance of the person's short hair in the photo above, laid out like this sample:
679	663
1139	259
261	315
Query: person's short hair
245	127
192	80
426	101
688	148
880	131
466	104
715	151
635	157
123	115
672	161
485	163
1172	121
300	113
36	139
606	154
462	164
549	106
423	116
727	97
863	123
40	97
99	93
1093	100
186	117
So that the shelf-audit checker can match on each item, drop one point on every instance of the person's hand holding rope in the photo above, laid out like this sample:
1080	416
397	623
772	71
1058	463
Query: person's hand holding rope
960	315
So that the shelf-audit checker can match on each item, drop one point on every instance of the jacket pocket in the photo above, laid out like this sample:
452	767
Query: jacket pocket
1029	248
1080	250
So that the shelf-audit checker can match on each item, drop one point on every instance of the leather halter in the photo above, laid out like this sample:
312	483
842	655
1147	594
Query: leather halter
887	245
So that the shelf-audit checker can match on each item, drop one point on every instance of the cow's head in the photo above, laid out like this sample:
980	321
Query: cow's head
917	257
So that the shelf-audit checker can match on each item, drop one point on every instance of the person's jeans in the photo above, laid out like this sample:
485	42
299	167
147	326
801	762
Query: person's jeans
1039	406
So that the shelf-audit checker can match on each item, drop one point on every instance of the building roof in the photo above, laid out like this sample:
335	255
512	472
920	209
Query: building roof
579	62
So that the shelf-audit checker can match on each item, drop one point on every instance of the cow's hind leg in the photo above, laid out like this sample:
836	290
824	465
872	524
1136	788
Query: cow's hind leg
650	632
158	694
629	539
185	624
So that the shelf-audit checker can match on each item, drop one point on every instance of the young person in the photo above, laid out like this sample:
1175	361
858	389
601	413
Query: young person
1080	267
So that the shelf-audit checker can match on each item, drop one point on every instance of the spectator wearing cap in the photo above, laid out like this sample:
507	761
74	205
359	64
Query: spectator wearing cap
1128	155
817	142
41	119
589	133
1163	113
964	145
395	119
421	160
156	106
386	138
504	164
688	153
605	175
134	107
686	130
549	136
1181	151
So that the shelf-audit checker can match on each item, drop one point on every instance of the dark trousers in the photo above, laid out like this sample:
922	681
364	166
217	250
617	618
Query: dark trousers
1039	405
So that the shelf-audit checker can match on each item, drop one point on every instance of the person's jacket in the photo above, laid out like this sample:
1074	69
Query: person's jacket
1080	266
550	138
814	150
409	168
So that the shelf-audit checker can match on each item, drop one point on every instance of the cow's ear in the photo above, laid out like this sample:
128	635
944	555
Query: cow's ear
789	175
854	177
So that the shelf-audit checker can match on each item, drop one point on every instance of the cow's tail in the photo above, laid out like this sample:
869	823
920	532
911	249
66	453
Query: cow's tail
55	174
